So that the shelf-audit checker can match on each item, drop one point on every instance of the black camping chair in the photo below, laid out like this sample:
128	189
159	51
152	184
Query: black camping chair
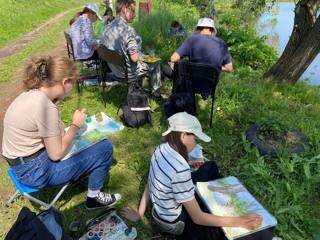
204	79
106	76
69	45
112	57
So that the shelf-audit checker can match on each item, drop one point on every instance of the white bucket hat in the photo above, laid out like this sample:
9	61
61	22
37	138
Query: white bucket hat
184	122
94	7
206	22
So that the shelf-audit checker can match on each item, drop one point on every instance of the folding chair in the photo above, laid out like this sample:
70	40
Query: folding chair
107	77
204	79
69	45
25	191
70	51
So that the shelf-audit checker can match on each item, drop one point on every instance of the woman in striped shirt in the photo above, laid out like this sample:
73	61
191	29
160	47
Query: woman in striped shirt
176	207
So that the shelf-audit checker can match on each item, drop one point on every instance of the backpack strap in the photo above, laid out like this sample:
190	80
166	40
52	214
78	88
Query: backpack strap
140	109
138	122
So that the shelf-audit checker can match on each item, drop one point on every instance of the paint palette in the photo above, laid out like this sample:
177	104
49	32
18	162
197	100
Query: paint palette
109	226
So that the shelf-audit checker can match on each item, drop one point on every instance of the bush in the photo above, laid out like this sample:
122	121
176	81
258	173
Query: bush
245	46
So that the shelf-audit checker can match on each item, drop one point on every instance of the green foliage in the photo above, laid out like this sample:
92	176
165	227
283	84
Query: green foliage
287	187
248	10
245	46
154	28
272	125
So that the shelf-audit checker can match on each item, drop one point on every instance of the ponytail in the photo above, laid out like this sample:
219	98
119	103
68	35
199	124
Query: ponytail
48	71
75	18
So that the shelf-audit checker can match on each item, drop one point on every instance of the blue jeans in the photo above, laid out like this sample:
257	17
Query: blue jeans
94	161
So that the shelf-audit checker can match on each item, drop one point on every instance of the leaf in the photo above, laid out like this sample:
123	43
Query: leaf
306	168
290	209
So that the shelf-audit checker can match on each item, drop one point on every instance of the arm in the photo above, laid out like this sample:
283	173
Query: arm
201	218
132	45
227	68
88	34
227	59
182	51
134	57
58	145
175	57
136	215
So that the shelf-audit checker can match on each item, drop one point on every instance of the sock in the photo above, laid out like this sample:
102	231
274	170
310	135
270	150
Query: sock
92	193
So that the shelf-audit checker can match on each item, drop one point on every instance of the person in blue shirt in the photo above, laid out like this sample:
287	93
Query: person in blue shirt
204	47
176	29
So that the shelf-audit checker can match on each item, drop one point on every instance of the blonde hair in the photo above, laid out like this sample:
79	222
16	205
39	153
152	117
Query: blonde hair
48	71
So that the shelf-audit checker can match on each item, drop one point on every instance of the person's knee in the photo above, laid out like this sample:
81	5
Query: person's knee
106	149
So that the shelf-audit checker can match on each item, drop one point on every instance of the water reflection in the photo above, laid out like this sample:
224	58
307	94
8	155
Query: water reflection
277	24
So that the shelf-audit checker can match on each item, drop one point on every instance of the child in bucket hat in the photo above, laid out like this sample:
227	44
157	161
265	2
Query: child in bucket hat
176	207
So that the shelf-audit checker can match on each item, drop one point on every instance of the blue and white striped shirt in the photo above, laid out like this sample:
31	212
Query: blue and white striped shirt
170	182
81	33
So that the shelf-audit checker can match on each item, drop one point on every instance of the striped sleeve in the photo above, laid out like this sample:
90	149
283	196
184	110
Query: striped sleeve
88	32
182	187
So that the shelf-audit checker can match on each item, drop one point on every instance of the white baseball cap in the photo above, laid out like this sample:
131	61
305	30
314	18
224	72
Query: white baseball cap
94	7
184	122
206	22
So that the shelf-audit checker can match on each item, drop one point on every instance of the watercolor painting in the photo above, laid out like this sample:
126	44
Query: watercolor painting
228	197
96	128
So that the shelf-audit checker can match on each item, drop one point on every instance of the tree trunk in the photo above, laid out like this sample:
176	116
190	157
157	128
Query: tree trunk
303	45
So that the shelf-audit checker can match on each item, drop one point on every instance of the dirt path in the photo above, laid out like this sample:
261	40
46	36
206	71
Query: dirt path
19	43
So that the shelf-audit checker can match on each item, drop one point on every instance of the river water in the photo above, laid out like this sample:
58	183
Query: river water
277	25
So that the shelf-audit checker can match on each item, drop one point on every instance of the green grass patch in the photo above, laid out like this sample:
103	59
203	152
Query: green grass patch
46	41
19	17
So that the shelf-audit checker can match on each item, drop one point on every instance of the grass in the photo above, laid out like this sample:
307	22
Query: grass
8	66
19	17
288	186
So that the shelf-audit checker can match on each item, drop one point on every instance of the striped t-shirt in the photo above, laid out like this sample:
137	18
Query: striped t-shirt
170	182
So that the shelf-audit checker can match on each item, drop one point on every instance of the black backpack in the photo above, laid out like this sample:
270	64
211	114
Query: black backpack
182	97
136	110
29	226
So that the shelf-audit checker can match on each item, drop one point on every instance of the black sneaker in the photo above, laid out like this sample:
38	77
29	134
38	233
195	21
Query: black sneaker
103	200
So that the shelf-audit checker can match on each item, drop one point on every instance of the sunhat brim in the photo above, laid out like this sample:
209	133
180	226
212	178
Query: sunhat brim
202	136
99	16
167	132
